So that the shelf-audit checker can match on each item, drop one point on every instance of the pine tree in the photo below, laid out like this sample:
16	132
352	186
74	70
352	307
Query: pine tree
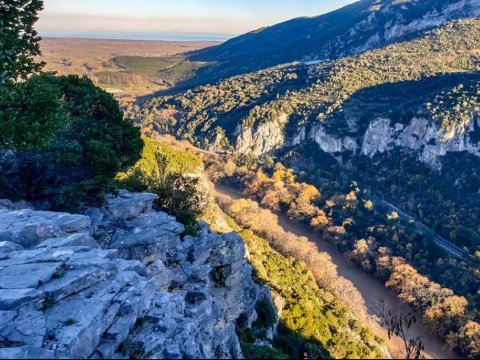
19	41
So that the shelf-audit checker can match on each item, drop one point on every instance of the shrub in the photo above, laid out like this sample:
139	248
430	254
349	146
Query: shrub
265	314
69	141
165	172
252	351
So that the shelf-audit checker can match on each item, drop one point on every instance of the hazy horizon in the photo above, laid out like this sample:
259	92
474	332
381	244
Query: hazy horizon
137	36
206	20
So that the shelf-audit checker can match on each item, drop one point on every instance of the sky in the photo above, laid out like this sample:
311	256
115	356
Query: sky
205	19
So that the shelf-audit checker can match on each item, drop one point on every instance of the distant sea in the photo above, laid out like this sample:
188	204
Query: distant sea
139	36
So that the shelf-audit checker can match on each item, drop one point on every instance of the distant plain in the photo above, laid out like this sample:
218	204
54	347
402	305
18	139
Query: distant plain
119	65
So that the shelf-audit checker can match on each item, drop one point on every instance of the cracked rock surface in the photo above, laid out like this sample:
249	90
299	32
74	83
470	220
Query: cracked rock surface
119	282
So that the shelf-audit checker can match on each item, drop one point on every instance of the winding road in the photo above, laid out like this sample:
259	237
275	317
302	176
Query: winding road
421	228
372	290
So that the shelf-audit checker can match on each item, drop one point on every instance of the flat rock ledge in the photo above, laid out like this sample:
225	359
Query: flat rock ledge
119	282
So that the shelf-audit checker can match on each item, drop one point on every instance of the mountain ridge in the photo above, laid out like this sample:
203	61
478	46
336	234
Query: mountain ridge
361	26
415	100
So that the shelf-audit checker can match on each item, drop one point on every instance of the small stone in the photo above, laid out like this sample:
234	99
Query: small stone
22	204
5	204
128	205
6	317
106	349
27	275
172	351
120	328
80	239
26	352
198	273
8	247
73	281
27	227
13	298
131	265
160	273
72	223
27	328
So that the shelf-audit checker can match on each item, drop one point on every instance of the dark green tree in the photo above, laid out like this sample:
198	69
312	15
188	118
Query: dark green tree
19	41
69	141
180	196
31	112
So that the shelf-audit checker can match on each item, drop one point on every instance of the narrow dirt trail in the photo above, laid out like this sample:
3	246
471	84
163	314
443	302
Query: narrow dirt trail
372	290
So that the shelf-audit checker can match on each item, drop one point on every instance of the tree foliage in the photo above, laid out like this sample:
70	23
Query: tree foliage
173	176
313	321
19	41
31	114
69	141
388	249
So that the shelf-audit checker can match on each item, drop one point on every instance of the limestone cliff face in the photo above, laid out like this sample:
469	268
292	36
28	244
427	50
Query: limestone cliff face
388	22
420	135
398	27
327	142
120	282
261	139
382	135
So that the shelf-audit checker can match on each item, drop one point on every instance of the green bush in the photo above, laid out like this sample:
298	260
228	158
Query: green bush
252	351
179	196
68	138
295	346
169	173
266	317
31	113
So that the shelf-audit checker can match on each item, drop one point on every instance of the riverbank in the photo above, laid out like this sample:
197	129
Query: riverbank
373	291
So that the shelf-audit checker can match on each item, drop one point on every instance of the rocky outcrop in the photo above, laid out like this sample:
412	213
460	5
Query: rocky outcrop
391	21
330	143
382	135
119	282
398	27
421	136
261	139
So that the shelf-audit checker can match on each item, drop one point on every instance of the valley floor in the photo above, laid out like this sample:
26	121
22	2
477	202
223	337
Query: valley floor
372	290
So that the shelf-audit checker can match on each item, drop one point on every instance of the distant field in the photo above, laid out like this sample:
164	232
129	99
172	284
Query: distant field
126	68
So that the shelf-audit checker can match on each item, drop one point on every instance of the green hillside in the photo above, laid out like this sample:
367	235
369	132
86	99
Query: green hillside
363	25
312	93
435	77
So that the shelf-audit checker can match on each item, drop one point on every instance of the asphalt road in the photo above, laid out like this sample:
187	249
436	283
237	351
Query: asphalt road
421	228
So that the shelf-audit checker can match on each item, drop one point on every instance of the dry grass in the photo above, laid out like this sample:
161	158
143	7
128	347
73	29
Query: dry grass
90	56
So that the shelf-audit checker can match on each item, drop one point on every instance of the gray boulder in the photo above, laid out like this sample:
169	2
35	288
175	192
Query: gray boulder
128	206
120	282
78	239
28	227
8	247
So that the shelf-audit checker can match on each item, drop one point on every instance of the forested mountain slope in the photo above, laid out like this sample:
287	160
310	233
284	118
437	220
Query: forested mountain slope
407	109
295	97
358	27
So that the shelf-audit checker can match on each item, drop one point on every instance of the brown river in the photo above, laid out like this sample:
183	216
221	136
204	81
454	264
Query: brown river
372	290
